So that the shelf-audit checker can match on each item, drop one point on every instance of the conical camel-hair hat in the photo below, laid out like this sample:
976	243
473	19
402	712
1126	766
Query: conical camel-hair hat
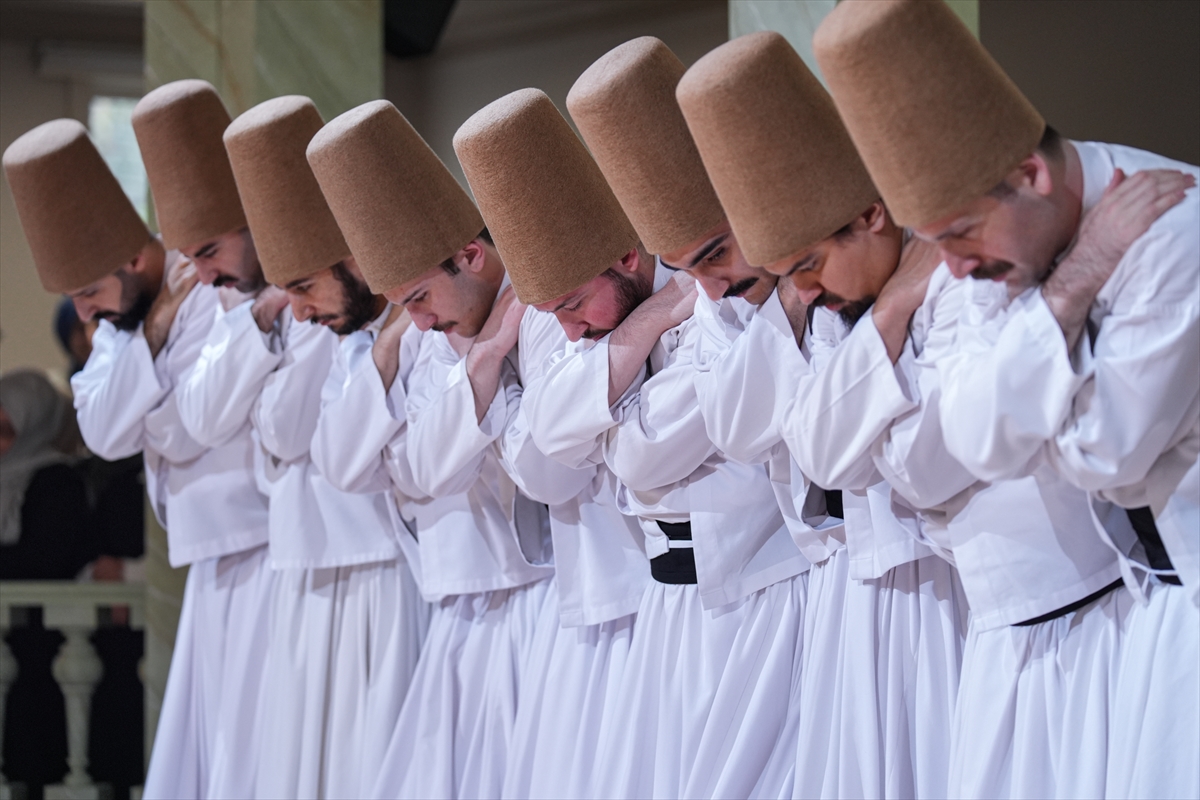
624	105
179	127
294	230
936	120
79	224
779	157
553	217
400	209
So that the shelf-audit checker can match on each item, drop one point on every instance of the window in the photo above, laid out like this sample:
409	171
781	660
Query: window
109	121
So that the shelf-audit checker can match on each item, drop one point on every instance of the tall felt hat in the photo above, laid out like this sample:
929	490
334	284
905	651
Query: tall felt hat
936	120
79	224
553	217
294	230
400	209
779	157
624	105
178	128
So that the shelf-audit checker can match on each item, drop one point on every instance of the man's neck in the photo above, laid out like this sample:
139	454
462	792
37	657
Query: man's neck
1070	200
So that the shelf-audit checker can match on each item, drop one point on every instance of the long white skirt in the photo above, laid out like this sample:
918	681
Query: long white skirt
1035	703
572	681
208	729
453	735
704	706
344	643
880	680
1156	713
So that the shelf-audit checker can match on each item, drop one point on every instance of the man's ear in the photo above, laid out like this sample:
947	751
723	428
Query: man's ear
1033	172
630	262
471	257
875	217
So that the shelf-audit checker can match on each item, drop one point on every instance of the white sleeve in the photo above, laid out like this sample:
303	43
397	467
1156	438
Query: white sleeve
1106	416
844	407
446	447
567	409
216	397
744	387
538	476
661	438
912	454
289	402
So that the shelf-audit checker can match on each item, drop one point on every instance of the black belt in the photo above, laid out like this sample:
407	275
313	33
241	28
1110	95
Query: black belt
833	503
1142	520
1067	609
677	565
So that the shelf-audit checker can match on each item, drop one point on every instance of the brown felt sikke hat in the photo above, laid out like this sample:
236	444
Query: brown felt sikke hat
936	120
79	224
624	105
178	128
294	231
400	209
555	221
780	159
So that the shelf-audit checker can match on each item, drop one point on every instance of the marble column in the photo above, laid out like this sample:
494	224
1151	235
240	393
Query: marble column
250	50
253	50
798	19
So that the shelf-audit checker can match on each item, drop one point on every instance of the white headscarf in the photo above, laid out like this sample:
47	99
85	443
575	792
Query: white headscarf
36	409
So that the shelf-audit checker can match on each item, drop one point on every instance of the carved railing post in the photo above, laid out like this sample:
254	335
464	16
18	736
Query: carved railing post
8	673
77	669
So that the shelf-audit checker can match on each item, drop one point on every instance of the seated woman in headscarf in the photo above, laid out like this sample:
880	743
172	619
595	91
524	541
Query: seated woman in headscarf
44	511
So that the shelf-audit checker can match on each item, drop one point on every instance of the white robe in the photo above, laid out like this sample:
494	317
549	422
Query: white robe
701	711
1120	418
485	564
216	520
1023	548
885	619
577	661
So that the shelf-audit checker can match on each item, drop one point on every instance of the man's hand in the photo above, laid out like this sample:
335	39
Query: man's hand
631	342
793	307
267	307
1129	207
497	337
385	352
903	294
181	279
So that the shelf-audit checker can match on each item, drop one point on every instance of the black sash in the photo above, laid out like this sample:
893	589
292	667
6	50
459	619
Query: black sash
833	503
677	565
1067	609
1142	520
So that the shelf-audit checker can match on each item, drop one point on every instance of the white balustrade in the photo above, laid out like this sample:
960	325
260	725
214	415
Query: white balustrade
70	608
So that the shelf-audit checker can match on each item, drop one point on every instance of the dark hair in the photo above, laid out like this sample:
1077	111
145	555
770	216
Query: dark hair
451	268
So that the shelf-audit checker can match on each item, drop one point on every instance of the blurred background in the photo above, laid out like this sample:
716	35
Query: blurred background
1125	71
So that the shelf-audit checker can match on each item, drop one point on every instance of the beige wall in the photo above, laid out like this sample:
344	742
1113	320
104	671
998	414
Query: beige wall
26	311
490	48
1124	71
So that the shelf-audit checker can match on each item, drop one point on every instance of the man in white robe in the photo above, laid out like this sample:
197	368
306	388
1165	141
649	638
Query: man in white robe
179	128
346	619
886	617
1036	708
682	696
484	545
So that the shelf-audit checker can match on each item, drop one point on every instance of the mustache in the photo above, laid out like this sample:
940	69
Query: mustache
991	270
224	280
442	327
740	288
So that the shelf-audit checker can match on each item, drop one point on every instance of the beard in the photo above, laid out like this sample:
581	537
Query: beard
741	287
851	311
630	293
991	270
135	301
358	304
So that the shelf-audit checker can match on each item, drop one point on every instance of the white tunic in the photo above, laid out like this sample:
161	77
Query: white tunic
1120	418
876	649
484	560
601	573
687	725
216	520
1026	723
